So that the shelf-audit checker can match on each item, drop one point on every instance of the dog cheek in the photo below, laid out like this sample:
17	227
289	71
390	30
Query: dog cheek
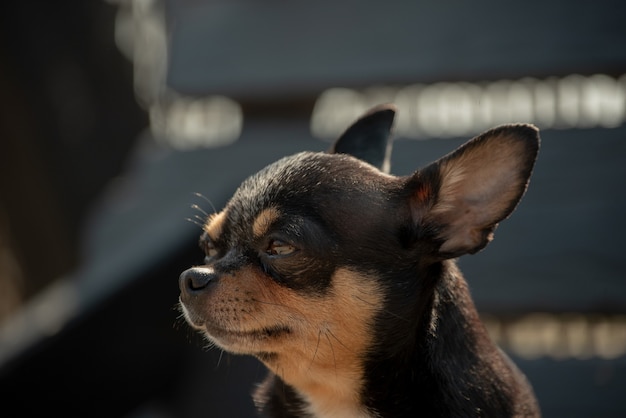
332	333
304	275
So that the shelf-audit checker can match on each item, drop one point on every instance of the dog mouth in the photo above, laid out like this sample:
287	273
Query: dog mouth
216	331
230	338
243	341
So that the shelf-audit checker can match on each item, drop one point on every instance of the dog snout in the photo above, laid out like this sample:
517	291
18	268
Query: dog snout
196	280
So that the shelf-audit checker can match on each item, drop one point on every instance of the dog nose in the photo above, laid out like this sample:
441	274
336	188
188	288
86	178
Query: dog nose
195	280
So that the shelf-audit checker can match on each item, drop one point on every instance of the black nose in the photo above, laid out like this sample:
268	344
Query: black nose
195	280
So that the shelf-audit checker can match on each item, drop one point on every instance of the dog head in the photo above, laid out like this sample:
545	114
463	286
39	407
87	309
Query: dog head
321	258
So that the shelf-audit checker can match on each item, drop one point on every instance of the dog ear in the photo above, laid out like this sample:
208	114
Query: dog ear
459	199
368	138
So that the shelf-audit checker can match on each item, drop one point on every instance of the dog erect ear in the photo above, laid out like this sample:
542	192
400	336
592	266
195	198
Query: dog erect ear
368	138
460	198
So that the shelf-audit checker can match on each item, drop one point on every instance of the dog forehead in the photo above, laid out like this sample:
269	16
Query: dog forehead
282	174
336	189
299	178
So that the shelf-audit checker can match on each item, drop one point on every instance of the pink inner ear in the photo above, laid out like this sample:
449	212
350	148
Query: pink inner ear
460	238
480	185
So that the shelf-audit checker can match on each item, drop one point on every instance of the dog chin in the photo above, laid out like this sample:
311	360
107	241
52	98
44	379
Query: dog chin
195	321
232	339
244	342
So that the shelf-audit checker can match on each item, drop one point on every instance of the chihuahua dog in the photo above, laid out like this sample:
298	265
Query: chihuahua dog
341	278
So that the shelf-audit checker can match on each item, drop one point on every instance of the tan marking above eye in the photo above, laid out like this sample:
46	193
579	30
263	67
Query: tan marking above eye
215	224
264	220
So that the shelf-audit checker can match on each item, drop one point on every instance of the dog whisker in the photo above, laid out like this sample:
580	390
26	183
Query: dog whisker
219	359
199	209
328	331
180	318
386	311
332	349
200	218
206	199
210	345
195	222
317	346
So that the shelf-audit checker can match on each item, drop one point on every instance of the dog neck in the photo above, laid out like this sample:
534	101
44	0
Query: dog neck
451	365
315	388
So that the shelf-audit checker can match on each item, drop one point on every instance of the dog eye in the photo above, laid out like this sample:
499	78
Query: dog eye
209	248
278	247
211	251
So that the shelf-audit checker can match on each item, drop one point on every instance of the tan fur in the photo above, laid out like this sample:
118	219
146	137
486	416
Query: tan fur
214	225
323	355
477	186
263	221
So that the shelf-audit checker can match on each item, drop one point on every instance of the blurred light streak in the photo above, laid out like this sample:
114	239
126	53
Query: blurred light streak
560	336
46	315
179	121
445	110
187	123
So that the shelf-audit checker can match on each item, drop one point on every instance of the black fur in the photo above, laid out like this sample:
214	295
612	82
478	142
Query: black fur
430	355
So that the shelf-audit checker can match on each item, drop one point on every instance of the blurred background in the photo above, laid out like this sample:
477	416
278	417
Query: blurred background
117	117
